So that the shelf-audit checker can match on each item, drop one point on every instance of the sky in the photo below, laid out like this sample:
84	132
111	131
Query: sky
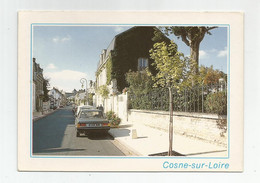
68	53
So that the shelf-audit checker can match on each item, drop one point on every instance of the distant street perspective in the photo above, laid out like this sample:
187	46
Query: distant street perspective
130	91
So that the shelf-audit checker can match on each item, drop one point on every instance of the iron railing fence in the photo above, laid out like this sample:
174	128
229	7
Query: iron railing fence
189	99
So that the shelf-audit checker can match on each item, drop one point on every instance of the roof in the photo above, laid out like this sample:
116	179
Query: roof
112	44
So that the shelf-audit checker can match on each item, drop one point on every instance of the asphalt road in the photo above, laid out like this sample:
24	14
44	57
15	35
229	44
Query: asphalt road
55	135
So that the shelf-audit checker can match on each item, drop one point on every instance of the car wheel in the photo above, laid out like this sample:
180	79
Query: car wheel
78	134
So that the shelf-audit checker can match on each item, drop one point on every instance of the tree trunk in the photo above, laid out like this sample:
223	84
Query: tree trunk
171	122
194	51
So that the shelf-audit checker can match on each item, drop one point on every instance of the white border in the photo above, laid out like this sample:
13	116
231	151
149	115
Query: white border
235	20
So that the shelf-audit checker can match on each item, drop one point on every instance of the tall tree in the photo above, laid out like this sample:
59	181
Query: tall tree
191	36
208	75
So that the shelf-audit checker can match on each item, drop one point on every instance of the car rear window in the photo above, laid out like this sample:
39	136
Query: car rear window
91	114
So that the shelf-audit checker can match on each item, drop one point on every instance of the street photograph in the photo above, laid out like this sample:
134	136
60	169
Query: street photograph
130	90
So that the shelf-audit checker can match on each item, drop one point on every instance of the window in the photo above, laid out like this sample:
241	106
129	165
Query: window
142	63
91	114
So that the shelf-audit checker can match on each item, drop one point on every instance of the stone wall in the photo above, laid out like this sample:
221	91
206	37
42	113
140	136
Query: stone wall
196	125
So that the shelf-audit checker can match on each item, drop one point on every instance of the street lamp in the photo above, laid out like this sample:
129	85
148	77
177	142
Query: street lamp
82	80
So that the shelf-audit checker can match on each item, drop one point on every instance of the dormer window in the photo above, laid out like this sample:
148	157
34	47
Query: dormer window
142	63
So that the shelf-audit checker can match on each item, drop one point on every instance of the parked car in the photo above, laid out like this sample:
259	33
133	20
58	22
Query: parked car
79	108
74	109
91	120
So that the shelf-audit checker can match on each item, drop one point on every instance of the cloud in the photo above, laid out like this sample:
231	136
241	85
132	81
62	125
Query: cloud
66	80
203	54
213	50
118	29
58	39
55	40
67	38
222	53
51	66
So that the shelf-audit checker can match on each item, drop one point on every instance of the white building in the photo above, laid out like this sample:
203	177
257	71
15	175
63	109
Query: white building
80	98
56	98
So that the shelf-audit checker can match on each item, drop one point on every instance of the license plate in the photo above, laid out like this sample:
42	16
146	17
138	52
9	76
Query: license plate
94	125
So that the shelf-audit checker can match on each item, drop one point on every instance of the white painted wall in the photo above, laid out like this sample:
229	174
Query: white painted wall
117	104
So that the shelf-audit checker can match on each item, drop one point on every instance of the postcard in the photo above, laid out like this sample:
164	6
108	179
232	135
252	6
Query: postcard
130	91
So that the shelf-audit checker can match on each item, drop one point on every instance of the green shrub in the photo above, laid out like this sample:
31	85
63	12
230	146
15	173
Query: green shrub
216	103
113	118
103	91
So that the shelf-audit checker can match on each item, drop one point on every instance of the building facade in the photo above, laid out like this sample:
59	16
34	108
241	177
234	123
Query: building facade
57	98
80	98
38	92
127	51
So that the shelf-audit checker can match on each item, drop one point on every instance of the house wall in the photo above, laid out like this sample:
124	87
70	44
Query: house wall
102	78
34	97
38	86
124	51
56	97
117	104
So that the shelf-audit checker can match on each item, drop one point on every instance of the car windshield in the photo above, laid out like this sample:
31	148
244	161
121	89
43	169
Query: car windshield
91	114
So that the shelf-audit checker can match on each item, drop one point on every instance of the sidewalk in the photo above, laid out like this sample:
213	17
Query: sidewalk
38	116
152	141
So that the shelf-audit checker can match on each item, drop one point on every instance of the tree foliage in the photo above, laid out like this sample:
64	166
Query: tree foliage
46	85
216	103
129	46
191	36
103	91
208	76
139	82
169	64
90	98
109	70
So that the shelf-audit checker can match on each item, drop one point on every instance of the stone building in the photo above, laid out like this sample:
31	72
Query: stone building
38	92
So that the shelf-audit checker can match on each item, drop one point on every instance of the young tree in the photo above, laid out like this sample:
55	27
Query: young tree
191	36
170	65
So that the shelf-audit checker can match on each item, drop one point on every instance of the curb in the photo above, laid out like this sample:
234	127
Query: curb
127	150
40	117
